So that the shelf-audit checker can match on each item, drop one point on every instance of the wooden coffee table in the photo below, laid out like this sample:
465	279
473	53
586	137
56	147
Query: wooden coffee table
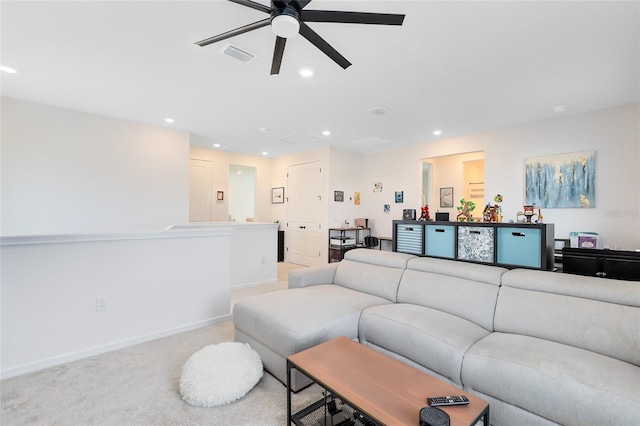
384	389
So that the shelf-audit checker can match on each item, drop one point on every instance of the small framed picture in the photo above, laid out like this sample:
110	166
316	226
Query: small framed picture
446	197
220	196
277	195
338	196
399	196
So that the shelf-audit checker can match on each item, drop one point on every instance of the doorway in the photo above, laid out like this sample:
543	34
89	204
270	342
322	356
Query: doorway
305	235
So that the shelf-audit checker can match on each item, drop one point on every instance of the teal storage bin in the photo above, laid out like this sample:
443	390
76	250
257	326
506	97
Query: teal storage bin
440	241
520	246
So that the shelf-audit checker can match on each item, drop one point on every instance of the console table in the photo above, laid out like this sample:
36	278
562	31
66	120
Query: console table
616	264
343	239
511	245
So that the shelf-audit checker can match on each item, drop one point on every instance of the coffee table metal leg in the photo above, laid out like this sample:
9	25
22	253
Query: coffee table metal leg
288	392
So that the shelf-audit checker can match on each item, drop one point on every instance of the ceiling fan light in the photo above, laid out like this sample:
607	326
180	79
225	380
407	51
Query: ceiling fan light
285	26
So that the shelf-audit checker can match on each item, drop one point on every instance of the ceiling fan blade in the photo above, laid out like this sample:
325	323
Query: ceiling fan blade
253	5
352	17
278	51
303	3
237	31
325	47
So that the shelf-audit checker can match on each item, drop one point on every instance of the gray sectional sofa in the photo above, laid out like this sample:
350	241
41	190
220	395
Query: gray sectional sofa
541	347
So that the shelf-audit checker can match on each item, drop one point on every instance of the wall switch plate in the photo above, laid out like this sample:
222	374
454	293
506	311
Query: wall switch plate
101	304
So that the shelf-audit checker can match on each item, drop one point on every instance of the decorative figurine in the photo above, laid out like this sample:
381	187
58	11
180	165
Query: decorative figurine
424	215
465	209
528	212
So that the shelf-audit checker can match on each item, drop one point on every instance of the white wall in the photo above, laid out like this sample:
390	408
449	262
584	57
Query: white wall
345	174
220	161
72	172
254	254
155	284
613	133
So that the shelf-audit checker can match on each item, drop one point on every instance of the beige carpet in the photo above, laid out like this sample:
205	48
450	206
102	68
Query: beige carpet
139	385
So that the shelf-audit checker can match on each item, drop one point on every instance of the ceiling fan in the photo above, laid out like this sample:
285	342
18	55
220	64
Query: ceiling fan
287	18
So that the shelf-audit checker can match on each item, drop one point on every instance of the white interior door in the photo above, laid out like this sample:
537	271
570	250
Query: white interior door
305	235
200	190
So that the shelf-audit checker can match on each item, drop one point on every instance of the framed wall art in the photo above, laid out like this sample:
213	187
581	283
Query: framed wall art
277	195
561	181
446	197
338	196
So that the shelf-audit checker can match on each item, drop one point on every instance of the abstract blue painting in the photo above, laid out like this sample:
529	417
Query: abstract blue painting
561	181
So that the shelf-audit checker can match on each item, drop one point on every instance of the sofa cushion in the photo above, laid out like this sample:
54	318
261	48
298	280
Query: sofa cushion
462	289
432	338
289	321
565	384
372	271
596	314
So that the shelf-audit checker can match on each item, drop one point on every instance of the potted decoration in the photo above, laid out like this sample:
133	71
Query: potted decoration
465	208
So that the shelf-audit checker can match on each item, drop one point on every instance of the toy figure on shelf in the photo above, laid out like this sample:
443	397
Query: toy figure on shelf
495	213
424	215
528	212
465	209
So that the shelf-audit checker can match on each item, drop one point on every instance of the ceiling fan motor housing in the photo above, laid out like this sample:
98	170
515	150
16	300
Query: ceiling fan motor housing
285	22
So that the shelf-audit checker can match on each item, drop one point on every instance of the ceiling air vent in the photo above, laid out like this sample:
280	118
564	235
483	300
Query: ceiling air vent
379	111
237	53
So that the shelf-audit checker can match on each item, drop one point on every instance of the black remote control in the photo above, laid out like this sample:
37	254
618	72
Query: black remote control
448	400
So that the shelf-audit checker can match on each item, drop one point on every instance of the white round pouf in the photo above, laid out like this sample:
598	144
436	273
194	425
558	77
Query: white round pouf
220	374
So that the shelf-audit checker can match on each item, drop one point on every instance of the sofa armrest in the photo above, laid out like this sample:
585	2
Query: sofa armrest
314	275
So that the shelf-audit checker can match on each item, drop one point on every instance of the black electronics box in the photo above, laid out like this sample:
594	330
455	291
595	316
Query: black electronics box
409	214
442	217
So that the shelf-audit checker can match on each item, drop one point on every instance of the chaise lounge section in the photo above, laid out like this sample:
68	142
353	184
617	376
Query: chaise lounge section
320	304
542	347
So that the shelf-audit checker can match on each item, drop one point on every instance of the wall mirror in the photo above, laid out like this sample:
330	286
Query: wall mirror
452	177
242	193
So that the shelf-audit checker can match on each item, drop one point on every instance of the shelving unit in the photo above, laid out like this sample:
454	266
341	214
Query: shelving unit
342	240
510	245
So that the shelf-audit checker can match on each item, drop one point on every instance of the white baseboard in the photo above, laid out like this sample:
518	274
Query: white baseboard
86	353
253	284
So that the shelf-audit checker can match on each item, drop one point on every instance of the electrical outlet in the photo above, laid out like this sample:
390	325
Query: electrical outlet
101	304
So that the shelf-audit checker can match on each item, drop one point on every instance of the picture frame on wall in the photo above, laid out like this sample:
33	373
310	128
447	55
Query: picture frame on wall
399	196
338	196
277	195
446	197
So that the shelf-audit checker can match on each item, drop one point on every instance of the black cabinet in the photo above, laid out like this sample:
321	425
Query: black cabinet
280	246
615	264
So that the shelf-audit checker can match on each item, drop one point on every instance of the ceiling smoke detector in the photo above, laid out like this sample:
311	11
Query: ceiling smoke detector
379	111
237	53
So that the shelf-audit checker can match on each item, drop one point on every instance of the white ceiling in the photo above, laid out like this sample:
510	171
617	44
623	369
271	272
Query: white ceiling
461	67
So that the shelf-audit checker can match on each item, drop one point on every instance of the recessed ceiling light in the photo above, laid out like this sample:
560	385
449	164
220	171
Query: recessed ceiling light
216	145
265	153
265	129
8	69
437	132
169	120
306	72
559	108
326	133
